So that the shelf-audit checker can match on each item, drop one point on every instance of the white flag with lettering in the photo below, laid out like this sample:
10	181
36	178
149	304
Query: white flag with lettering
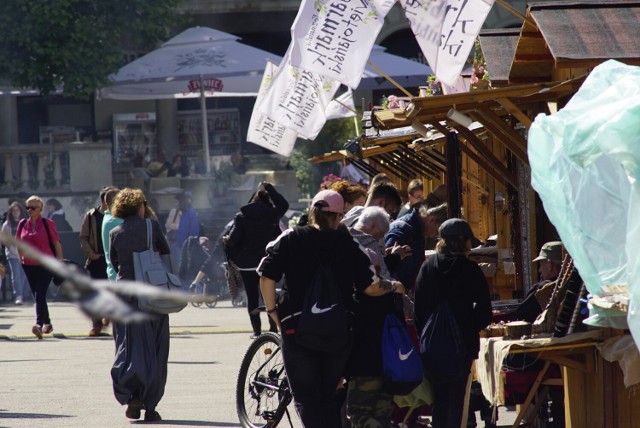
460	86
263	130
298	99
446	31
334	37
342	106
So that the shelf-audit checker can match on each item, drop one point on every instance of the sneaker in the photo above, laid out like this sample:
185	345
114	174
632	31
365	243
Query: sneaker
95	332
18	301
37	331
152	416
133	409
47	328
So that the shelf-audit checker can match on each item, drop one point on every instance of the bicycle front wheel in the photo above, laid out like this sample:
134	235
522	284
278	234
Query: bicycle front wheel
262	391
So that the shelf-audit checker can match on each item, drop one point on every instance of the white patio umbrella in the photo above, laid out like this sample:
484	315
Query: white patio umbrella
199	62
406	72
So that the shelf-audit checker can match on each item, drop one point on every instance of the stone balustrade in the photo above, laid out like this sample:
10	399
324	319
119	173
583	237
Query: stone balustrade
54	169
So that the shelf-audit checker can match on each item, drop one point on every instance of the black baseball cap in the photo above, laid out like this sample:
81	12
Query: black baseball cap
458	227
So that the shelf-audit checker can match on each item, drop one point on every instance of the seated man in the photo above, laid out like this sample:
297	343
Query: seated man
550	262
159	167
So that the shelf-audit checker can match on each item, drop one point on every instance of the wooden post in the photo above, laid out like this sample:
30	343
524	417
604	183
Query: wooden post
454	175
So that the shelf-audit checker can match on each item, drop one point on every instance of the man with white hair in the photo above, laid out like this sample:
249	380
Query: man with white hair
367	402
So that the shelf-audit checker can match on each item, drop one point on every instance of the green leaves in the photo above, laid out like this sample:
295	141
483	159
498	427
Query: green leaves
332	137
75	44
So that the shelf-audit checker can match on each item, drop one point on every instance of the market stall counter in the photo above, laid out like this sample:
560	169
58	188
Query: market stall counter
576	354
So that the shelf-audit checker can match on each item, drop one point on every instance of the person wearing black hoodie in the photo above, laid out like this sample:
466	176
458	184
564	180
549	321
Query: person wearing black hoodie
257	224
449	275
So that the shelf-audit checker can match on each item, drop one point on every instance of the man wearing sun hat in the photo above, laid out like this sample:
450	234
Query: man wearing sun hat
550	262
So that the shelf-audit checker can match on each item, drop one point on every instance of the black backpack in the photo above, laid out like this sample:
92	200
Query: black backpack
324	322
442	347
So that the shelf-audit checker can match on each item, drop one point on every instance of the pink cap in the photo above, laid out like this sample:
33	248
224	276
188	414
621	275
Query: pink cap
329	200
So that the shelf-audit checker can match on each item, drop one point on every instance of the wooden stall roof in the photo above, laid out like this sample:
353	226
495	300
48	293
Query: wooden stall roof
499	47
405	156
499	101
575	34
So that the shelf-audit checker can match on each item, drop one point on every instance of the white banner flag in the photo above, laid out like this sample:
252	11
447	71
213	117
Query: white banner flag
298	99
334	37
342	106
263	130
446	31
460	86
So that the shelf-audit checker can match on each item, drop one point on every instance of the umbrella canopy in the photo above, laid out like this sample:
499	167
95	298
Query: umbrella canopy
409	74
197	56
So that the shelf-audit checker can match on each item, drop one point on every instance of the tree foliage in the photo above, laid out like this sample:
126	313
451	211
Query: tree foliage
76	44
333	136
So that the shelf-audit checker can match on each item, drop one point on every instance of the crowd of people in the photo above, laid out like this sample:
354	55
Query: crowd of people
375	257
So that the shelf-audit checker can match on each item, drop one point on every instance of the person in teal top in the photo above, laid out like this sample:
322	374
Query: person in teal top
108	223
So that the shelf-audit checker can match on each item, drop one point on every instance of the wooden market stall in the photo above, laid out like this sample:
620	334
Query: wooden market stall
534	70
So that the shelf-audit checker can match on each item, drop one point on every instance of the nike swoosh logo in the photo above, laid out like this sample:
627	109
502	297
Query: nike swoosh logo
402	356
316	310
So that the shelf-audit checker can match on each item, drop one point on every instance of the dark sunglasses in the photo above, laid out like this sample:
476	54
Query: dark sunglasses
32	208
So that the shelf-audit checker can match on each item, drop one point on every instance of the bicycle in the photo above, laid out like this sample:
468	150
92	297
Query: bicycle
262	389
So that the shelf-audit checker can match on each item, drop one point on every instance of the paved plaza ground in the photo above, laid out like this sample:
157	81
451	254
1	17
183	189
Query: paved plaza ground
63	380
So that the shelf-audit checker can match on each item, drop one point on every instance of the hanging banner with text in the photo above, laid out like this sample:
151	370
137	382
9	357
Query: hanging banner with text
446	31
334	37
298	99
265	131
460	86
341	107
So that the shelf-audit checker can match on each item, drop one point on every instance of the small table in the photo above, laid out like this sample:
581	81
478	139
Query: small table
574	351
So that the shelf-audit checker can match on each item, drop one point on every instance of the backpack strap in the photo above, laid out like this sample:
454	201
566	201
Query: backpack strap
46	228
21	224
149	234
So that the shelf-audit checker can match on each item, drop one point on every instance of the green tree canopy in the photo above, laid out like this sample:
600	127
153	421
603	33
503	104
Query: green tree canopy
76	44
333	136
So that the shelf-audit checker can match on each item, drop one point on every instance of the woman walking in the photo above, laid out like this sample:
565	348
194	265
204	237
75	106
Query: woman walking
257	224
40	233
298	254
139	372
449	276
19	281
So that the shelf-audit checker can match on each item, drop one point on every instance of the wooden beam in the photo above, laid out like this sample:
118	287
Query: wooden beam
483	150
503	132
483	163
515	111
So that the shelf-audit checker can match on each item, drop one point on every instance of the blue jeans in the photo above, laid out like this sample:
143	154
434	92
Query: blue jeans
18	278
314	377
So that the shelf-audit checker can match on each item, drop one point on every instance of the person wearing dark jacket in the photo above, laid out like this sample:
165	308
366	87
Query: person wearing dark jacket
450	276
412	229
297	254
257	224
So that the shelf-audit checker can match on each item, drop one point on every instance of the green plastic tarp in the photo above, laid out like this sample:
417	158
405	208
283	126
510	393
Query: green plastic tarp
585	165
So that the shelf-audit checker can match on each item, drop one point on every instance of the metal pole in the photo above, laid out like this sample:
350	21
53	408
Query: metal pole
205	129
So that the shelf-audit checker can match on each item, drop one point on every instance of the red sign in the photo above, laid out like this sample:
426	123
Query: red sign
211	85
